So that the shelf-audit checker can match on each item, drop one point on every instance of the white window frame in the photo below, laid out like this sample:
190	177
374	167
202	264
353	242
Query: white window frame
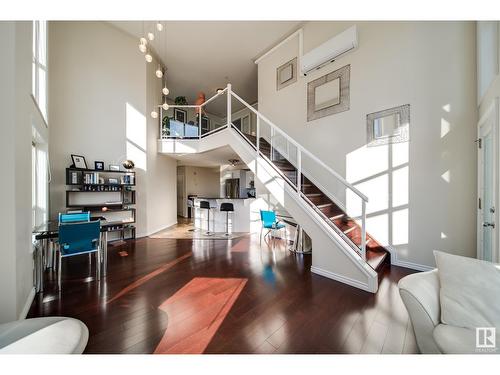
40	45
40	183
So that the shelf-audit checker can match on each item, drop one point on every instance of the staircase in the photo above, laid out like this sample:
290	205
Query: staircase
376	254
327	207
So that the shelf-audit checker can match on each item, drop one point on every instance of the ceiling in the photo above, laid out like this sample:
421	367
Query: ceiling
206	55
210	159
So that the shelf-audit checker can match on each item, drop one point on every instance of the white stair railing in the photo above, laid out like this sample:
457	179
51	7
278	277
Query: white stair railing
296	158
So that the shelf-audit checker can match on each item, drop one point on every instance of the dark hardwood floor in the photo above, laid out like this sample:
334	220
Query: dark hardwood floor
217	296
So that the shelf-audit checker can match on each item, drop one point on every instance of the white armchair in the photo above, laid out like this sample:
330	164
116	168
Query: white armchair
421	295
50	335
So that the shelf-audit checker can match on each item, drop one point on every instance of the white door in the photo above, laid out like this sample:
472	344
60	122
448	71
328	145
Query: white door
486	218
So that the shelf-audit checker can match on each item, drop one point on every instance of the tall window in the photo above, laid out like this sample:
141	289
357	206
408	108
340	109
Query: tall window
40	66
39	183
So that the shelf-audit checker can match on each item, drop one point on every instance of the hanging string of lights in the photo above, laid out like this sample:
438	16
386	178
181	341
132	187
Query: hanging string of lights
145	46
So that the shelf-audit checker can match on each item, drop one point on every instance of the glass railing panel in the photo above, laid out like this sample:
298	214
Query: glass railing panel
214	113
179	122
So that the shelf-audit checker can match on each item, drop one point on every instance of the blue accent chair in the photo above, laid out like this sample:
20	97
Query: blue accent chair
77	239
74	218
271	223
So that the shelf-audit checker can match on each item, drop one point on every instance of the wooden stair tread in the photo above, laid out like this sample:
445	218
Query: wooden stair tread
376	254
375	259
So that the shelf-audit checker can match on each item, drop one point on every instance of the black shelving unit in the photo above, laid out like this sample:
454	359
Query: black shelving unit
94	181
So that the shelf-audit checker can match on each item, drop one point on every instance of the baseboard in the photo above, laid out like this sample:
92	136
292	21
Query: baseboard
156	230
403	263
344	279
27	305
410	265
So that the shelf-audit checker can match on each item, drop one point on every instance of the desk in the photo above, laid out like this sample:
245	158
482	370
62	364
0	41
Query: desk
44	255
299	240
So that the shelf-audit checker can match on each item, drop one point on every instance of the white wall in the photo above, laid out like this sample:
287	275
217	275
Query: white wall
202	181
101	96
19	117
425	200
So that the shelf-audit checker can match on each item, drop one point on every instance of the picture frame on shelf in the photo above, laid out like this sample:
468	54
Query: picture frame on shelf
114	168
99	165
79	161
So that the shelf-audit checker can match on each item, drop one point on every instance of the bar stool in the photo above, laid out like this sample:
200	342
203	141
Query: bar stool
206	205
227	208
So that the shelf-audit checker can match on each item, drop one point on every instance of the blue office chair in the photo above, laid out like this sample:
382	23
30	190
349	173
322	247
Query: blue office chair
78	239
270	223
74	217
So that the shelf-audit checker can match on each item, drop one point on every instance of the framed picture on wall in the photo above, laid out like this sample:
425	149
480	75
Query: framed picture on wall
180	115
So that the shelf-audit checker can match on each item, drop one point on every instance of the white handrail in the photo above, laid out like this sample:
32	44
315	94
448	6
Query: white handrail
213	97
302	149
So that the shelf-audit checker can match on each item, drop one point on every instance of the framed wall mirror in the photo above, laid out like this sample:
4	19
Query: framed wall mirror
329	94
286	74
388	126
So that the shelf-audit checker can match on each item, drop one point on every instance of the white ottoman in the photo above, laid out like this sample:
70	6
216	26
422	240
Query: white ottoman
50	335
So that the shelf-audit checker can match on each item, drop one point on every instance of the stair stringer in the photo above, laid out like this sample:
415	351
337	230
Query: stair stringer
332	257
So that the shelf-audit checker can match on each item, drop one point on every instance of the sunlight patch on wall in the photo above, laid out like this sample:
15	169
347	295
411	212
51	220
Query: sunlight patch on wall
446	176
366	162
136	127
136	137
445	127
400	227
400	154
400	187
443	236
377	189
378	227
447	108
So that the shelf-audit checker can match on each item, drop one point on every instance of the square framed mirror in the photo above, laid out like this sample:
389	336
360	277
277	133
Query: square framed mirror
286	74
329	94
388	126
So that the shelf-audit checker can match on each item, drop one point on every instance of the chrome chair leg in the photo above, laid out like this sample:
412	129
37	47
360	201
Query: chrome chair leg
59	270
98	263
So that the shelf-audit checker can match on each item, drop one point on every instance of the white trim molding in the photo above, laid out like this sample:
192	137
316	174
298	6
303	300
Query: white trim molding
149	233
403	263
27	304
299	33
368	287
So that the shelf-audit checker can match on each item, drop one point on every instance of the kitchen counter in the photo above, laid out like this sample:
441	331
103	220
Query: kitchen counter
239	221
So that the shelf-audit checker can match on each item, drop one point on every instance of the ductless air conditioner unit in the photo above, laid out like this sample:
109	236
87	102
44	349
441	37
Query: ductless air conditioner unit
330	50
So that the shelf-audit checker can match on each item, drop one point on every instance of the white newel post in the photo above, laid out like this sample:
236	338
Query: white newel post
229	97
363	229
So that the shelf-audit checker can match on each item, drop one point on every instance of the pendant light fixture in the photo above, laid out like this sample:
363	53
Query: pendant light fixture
165	105
151	36
159	72
154	114
165	91
148	57
143	42
159	26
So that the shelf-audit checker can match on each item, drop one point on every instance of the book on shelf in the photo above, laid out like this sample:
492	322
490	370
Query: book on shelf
128	179
91	178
